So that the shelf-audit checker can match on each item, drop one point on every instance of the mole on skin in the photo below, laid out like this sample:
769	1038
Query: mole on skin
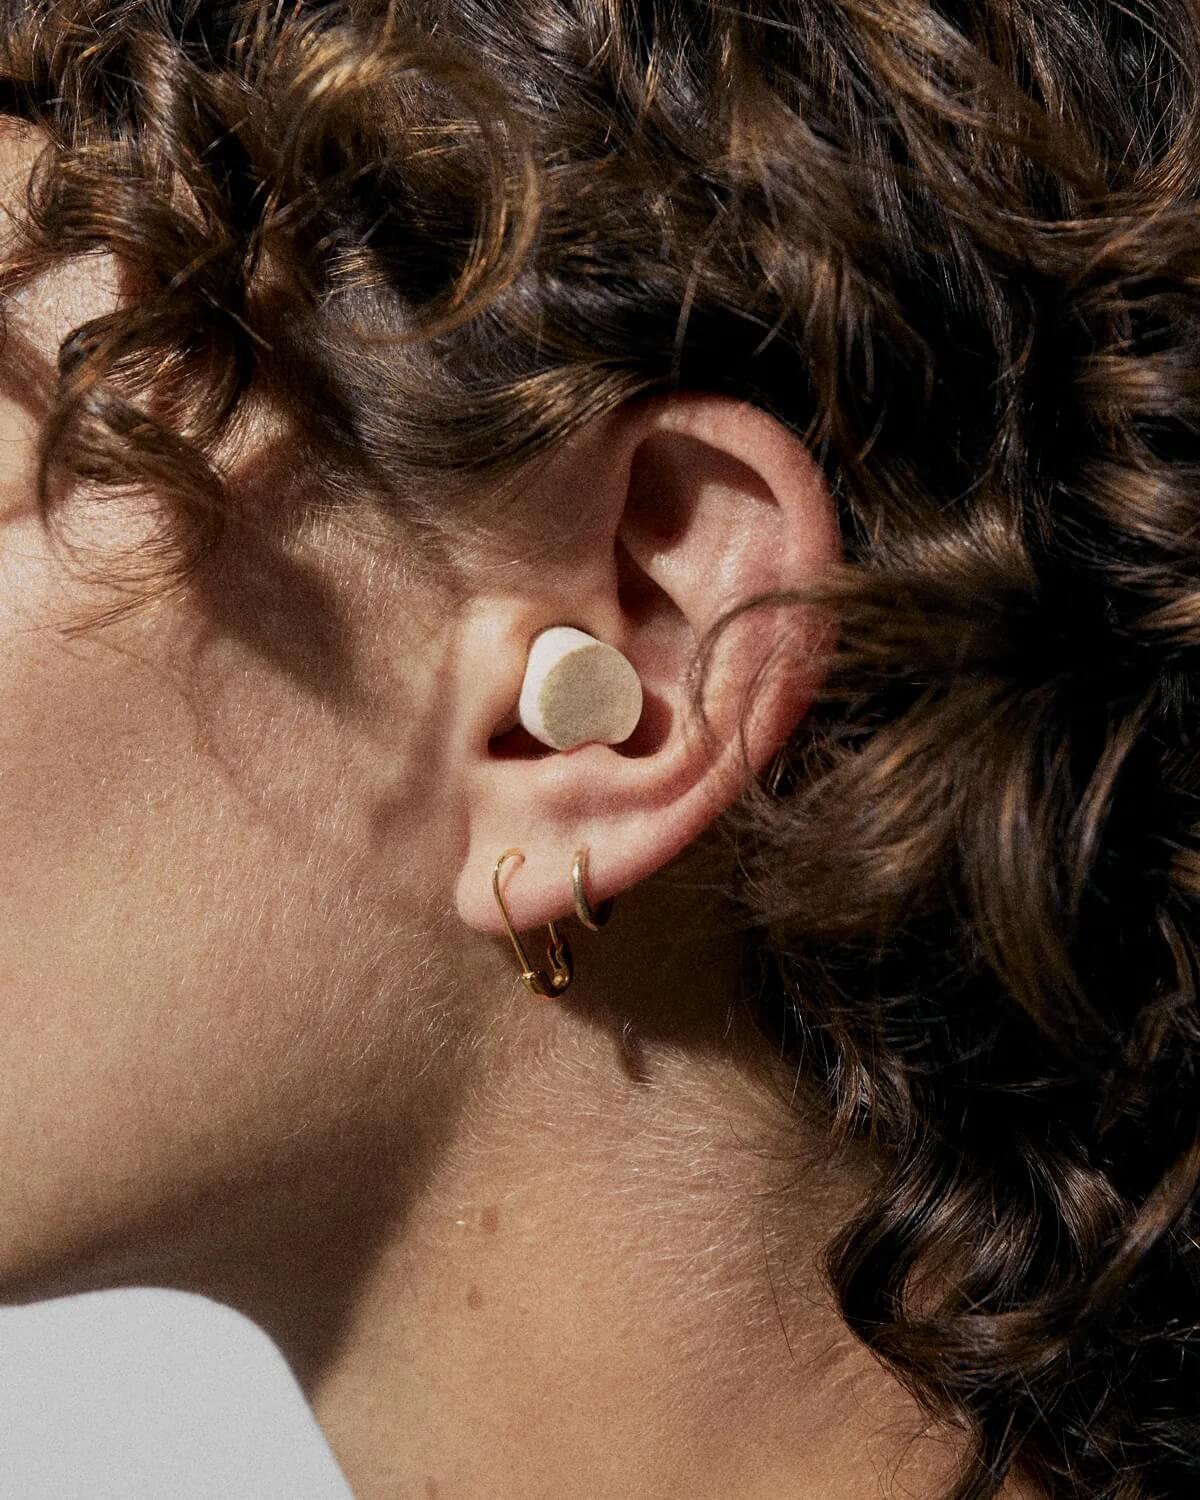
489	1219
474	1296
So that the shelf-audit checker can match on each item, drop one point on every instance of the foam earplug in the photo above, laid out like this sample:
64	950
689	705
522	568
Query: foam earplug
578	689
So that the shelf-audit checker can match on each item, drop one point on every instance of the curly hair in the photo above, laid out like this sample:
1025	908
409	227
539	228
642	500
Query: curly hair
954	245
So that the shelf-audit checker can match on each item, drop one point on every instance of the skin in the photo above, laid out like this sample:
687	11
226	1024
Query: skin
265	1037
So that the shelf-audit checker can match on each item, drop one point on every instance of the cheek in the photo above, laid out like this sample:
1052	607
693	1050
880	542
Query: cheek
202	873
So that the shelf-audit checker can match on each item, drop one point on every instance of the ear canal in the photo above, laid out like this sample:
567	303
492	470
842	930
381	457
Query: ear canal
578	689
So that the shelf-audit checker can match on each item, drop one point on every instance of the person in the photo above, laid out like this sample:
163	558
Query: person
836	365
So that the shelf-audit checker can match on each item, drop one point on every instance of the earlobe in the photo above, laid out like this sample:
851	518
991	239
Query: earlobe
706	505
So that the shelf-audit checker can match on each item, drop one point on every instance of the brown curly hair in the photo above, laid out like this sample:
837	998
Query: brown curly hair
955	245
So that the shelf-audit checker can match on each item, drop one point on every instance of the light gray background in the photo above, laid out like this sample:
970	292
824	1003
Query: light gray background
148	1395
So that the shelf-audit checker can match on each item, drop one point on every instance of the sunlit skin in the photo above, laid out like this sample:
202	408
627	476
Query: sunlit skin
265	1038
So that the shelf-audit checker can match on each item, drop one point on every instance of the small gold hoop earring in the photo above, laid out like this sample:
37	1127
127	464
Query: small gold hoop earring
592	917
537	981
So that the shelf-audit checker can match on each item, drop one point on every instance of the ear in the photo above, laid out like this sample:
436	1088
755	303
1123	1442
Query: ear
680	508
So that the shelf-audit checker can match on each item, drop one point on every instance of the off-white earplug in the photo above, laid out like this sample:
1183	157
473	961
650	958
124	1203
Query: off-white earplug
578	689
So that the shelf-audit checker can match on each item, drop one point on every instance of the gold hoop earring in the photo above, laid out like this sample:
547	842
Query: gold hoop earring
537	981
592	917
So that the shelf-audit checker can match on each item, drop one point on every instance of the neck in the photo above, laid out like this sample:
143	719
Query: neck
593	1274
609	1289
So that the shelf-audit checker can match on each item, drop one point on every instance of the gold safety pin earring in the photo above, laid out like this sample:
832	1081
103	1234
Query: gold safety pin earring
537	981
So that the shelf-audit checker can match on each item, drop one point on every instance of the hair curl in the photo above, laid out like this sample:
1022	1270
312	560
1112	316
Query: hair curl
955	245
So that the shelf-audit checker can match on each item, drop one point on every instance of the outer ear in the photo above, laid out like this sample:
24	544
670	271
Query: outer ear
687	506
